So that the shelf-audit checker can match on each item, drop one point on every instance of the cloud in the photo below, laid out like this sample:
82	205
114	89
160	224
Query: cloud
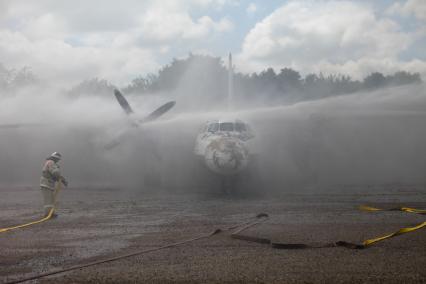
70	41
62	64
410	7
161	24
340	36
251	9
47	17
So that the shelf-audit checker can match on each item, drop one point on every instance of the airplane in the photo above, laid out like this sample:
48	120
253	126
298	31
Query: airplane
221	144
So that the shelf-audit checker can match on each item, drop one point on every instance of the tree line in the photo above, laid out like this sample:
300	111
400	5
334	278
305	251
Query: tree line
287	85
11	79
206	78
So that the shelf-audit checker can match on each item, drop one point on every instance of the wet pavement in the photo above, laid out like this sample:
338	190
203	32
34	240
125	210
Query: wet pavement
98	223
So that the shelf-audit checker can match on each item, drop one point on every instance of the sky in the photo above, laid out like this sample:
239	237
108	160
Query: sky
65	42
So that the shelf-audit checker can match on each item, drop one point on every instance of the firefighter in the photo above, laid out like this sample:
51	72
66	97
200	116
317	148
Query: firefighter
50	175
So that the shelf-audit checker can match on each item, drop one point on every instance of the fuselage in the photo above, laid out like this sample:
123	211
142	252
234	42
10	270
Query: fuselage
222	146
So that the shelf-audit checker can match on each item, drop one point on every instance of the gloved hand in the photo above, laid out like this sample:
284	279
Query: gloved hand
64	181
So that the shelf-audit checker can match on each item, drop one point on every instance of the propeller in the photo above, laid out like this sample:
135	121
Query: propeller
136	123
153	116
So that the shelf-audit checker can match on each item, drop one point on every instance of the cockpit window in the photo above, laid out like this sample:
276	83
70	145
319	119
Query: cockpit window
213	127
227	126
240	127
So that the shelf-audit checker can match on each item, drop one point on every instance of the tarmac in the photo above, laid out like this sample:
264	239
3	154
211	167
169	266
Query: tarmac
97	223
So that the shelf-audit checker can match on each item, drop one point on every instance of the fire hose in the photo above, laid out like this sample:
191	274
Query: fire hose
49	215
258	219
237	235
363	245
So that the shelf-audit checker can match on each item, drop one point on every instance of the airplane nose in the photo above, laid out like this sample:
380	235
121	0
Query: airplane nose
226	156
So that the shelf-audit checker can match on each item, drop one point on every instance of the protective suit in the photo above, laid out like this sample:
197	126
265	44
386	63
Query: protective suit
51	174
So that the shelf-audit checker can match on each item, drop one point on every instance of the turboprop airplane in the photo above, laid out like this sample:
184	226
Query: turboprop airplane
221	144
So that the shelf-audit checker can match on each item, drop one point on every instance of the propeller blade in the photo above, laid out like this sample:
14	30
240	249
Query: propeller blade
159	111
128	110
123	102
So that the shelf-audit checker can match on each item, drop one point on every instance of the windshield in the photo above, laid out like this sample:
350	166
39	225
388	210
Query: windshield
227	126
240	127
213	127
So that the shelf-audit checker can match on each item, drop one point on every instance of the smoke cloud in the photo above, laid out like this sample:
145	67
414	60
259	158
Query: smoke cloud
362	138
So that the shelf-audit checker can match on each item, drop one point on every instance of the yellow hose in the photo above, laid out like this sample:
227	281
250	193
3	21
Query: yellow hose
400	231
57	189
405	209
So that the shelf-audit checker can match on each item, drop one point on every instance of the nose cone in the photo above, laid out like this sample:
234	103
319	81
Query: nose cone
226	156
